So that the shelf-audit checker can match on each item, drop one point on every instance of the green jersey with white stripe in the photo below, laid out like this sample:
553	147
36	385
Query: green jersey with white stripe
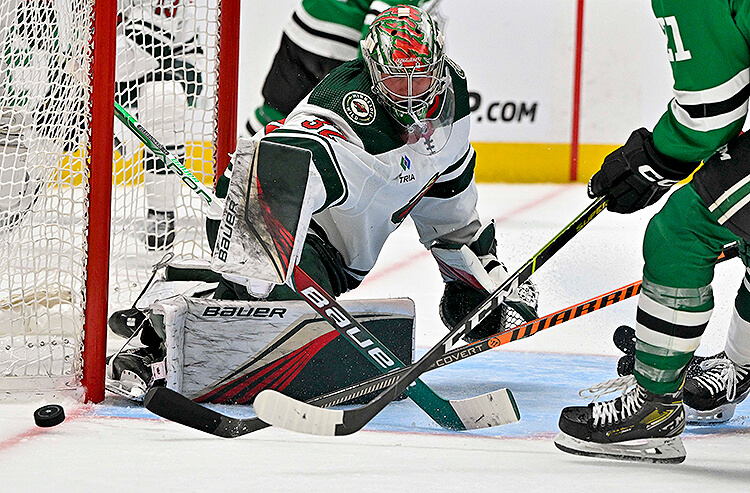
707	46
333	28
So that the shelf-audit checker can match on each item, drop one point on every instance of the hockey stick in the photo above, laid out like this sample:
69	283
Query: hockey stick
170	161
491	409
280	410
501	338
482	411
176	407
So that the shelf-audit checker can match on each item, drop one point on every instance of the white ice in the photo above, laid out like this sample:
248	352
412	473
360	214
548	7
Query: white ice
116	447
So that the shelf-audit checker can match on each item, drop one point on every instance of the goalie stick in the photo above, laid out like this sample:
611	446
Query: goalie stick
491	409
280	410
482	411
176	407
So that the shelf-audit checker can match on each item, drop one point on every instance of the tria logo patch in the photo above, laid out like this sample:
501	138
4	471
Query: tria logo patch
405	163
359	107
406	178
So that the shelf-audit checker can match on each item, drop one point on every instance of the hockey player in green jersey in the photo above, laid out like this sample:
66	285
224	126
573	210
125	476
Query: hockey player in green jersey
707	45
321	35
381	138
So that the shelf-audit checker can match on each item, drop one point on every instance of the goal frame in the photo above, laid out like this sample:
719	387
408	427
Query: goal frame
102	79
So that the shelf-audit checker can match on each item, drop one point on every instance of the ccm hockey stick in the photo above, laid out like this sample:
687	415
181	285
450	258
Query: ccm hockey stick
491	409
176	407
517	333
280	410
179	408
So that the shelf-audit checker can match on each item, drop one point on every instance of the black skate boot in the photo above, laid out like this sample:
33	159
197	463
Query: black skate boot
637	426
712	394
130	373
159	229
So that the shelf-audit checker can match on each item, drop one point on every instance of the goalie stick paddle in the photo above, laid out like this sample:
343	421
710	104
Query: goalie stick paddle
176	407
486	410
491	409
290	413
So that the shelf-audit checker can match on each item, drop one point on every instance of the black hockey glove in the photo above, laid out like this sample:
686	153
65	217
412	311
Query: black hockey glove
636	175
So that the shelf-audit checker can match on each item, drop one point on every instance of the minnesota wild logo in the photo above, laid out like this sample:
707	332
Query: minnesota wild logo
359	107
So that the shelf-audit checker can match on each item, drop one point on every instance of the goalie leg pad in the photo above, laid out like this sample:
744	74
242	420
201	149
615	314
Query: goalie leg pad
228	351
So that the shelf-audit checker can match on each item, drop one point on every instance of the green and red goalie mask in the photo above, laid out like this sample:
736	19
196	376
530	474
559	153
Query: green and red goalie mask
404	53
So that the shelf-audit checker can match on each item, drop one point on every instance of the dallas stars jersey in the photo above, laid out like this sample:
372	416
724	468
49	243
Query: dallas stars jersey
368	181
707	45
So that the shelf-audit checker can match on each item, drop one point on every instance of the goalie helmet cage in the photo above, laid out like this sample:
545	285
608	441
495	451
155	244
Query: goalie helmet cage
74	202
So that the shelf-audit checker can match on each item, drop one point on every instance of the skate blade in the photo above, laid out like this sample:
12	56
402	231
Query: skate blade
656	450
129	389
716	416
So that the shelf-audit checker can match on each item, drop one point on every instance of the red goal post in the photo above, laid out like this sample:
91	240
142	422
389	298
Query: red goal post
76	236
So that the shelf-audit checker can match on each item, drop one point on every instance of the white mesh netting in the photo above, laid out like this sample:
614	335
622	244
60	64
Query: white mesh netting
166	59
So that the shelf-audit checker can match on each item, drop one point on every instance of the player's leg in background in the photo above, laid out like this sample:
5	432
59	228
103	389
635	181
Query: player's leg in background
721	381
162	108
18	188
294	73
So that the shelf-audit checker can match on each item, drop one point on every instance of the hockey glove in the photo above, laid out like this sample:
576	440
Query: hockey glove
636	175
471	273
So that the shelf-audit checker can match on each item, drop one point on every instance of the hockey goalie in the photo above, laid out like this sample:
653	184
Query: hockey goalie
381	138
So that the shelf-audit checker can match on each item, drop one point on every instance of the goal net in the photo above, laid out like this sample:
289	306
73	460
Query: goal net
167	75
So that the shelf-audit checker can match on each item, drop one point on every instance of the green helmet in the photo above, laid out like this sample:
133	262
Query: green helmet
404	51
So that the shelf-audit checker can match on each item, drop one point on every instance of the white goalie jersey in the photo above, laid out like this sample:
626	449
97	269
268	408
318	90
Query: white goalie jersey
364	180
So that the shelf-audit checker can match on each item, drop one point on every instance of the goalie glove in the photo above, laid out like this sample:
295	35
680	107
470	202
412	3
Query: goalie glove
471	272
636	175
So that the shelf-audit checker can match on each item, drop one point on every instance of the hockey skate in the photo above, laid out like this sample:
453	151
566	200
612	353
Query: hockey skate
712	394
637	426
130	373
159	230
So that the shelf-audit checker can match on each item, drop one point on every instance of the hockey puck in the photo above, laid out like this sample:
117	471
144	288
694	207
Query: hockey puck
49	415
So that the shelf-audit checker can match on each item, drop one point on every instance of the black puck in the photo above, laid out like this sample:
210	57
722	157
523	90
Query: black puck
49	415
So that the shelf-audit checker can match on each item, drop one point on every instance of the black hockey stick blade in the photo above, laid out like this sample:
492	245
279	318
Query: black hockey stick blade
164	403
176	407
306	420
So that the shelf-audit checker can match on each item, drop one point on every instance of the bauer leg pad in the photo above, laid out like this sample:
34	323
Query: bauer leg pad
228	351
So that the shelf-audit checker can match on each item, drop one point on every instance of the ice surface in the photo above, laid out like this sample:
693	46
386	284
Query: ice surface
117	446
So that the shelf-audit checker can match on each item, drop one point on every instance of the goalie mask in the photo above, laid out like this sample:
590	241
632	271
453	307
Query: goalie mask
404	53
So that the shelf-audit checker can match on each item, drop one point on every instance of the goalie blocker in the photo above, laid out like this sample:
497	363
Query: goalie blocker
220	351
